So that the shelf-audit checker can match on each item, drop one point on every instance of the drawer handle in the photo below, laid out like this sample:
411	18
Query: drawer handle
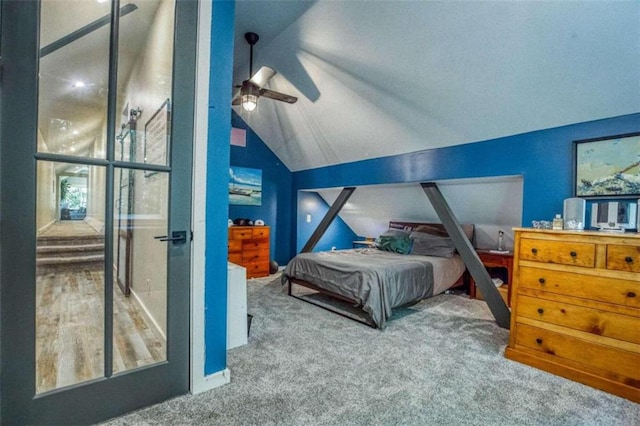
534	250
573	254
628	259
631	294
539	341
542	281
540	310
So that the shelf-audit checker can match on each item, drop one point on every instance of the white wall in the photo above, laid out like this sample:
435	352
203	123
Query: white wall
491	204
47	189
147	88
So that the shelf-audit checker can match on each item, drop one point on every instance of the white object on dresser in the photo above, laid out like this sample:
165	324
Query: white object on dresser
236	306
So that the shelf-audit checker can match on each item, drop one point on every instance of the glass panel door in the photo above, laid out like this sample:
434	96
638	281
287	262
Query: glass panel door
69	278
73	102
140	298
96	322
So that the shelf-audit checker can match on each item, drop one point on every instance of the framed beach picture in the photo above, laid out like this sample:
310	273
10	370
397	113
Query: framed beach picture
607	167
245	186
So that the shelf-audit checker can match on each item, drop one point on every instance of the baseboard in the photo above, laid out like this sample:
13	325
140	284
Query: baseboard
96	224
211	381
47	226
148	315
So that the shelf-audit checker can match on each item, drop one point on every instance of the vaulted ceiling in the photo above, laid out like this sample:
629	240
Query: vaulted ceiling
380	78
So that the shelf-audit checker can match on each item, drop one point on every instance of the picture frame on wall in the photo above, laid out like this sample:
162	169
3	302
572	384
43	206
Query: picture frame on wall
157	134
245	186
607	167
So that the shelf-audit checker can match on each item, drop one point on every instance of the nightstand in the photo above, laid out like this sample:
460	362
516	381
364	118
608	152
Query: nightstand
492	260
364	244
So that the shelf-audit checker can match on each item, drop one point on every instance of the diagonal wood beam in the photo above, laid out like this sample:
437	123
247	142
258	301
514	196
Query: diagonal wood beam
328	218
477	270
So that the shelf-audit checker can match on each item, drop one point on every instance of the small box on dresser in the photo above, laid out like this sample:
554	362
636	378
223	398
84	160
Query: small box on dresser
576	307
249	247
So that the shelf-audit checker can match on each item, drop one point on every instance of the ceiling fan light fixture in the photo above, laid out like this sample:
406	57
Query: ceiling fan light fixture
253	88
249	102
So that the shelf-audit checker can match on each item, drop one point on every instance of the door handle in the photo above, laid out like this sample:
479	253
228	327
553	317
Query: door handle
177	237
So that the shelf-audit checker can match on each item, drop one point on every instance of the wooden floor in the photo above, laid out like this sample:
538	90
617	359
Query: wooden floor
70	324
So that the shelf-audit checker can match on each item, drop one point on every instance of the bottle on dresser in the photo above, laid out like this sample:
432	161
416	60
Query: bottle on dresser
558	223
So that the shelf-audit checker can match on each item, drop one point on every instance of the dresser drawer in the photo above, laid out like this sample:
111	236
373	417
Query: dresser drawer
235	258
603	289
618	361
257	269
234	245
255	245
594	321
623	258
240	234
560	252
259	233
255	255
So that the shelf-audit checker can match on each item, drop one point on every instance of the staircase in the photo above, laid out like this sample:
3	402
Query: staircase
57	252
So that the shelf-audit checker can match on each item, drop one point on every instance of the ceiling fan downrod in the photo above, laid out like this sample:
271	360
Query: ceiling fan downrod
252	39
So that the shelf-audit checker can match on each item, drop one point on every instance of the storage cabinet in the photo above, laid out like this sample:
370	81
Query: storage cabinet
237	333
249	247
576	307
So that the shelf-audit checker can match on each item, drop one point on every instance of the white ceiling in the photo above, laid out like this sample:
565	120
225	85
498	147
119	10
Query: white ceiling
71	117
385	77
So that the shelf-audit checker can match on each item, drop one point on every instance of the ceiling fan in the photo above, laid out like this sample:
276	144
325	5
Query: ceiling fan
252	89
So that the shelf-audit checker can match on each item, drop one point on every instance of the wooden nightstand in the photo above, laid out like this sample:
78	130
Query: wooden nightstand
364	244
496	260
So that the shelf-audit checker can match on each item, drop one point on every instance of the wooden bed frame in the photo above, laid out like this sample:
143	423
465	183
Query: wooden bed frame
438	229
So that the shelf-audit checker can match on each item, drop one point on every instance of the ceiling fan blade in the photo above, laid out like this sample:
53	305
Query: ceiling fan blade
262	77
278	96
237	100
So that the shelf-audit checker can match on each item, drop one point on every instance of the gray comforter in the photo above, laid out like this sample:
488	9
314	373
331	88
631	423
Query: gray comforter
378	280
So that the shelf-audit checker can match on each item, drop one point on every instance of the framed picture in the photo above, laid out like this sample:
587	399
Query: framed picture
245	186
157	132
607	167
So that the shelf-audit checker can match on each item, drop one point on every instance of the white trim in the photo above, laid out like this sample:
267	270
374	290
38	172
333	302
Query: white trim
148	314
47	226
212	381
198	381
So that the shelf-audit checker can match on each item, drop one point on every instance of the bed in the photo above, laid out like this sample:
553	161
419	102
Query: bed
388	275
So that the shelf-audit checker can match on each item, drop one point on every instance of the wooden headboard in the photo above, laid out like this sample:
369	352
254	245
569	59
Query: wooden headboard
430	228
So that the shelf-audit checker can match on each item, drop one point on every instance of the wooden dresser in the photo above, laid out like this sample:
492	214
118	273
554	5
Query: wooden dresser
249	247
576	307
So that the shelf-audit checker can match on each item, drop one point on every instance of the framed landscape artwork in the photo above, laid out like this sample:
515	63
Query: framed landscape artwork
245	186
607	167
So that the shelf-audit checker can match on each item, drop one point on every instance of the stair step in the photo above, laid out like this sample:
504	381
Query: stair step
54	264
70	249
69	240
68	260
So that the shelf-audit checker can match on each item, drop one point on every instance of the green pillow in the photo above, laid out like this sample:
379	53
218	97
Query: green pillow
395	244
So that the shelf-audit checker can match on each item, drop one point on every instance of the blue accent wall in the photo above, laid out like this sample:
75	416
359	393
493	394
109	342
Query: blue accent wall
544	158
217	199
337	235
277	199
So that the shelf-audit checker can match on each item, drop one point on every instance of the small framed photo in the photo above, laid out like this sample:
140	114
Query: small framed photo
607	167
